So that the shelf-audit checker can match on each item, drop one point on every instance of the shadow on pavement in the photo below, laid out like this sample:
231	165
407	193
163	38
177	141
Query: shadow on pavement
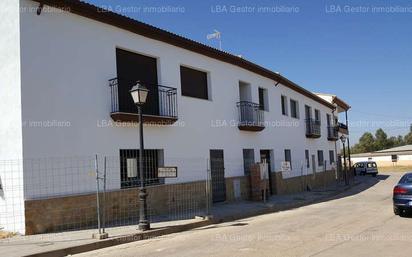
365	184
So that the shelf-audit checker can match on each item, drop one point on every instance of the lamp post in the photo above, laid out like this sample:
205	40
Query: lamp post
139	94
345	172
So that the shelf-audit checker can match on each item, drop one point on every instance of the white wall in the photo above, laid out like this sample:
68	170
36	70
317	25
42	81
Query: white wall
386	160
66	63
11	196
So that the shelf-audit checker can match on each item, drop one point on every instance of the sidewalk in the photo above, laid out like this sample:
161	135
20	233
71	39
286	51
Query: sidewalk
65	243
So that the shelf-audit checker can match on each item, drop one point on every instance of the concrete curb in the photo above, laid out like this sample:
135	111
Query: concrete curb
180	228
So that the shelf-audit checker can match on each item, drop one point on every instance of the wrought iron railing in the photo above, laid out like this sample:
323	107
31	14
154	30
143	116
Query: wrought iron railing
342	126
250	114
312	128
333	132
161	100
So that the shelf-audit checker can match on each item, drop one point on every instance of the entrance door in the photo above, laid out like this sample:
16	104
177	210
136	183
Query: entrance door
217	170
265	157
313	164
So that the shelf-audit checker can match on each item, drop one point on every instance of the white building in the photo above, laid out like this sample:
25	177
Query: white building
396	156
58	98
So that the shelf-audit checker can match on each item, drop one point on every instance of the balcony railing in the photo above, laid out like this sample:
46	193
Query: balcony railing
160	106
251	117
333	133
343	128
312	128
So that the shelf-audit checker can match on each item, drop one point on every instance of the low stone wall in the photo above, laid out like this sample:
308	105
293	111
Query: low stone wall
175	201
121	207
168	201
282	185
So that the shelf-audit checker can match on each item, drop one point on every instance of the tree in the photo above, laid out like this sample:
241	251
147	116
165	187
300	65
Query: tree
408	138
366	144
370	143
381	140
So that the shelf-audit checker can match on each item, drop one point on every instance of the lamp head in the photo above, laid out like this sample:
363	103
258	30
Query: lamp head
139	93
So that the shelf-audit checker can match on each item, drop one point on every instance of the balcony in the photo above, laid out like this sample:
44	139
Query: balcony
251	117
333	133
312	128
160	107
343	128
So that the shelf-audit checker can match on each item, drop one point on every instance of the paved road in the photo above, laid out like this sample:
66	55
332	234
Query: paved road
362	224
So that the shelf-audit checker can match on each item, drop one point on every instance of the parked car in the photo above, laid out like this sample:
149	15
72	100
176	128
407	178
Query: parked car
402	195
365	168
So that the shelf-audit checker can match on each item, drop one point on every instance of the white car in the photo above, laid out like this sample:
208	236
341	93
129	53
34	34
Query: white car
365	168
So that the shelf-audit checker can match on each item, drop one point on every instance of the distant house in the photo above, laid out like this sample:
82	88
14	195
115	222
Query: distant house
400	156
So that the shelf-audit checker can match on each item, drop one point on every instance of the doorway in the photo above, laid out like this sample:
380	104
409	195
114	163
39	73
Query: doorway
217	172
265	156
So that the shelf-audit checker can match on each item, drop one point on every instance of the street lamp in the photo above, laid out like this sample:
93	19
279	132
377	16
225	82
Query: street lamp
345	173
139	94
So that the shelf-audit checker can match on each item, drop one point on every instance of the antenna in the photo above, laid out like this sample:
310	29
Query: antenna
215	35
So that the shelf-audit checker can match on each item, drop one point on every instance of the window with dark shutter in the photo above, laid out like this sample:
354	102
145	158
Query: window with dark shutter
294	109
248	160
317	116
320	158
284	104
331	157
194	83
261	99
288	156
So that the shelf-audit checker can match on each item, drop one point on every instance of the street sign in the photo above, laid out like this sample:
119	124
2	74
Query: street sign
286	166
167	172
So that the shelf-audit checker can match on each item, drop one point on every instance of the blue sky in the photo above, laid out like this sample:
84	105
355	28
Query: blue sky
363	56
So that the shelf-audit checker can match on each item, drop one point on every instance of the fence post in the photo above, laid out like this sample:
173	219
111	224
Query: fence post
96	168
302	182
104	194
324	173
100	235
208	189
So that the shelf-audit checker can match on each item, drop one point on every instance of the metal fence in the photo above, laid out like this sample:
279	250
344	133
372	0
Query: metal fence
59	194
89	192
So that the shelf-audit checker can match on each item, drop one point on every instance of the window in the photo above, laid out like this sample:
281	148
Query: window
320	158
132	67
406	179
263	99
129	176
248	160
284	102
294	109
328	119
317	116
331	157
308	112
194	83
307	158
371	165
288	156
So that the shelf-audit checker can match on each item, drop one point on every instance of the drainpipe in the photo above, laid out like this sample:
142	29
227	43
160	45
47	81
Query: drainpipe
336	145
347	126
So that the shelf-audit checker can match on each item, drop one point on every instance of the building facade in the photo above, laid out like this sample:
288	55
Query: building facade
64	92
